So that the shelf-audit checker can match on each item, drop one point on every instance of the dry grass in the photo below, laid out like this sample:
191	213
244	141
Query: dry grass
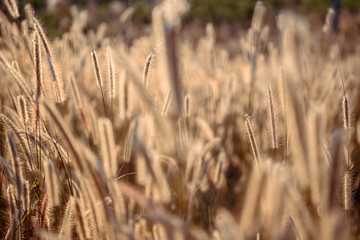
167	145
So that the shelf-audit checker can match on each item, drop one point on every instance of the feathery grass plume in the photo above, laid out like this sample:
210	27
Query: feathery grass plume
14	213
50	60
67	220
254	148
38	73
346	113
22	144
111	75
19	180
96	69
349	164
348	191
26	196
187	106
12	7
82	225
21	82
42	210
167	21
147	69
328	20
274	138
22	108
29	13
98	76
258	16
107	142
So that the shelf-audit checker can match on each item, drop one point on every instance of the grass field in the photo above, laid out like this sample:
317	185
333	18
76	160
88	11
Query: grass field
161	139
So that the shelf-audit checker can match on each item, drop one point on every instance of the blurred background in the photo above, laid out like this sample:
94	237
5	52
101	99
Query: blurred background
227	15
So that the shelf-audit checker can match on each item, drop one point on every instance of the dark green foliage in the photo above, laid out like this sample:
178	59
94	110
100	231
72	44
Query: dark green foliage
142	10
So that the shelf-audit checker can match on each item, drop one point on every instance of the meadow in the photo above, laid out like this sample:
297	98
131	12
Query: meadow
164	139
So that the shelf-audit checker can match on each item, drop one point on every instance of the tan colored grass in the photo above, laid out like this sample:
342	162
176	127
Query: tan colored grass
171	161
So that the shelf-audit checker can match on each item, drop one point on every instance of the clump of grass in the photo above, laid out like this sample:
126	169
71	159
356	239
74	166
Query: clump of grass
170	159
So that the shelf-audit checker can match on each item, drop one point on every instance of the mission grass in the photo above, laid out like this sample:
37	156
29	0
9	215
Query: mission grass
177	141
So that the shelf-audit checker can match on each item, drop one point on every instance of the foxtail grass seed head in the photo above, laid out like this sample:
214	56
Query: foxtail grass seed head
38	74
176	158
22	109
29	13
254	148
37	62
258	16
147	69
50	61
96	68
348	191
26	196
14	211
346	113
329	20
111	73
274	138
12	7
42	37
